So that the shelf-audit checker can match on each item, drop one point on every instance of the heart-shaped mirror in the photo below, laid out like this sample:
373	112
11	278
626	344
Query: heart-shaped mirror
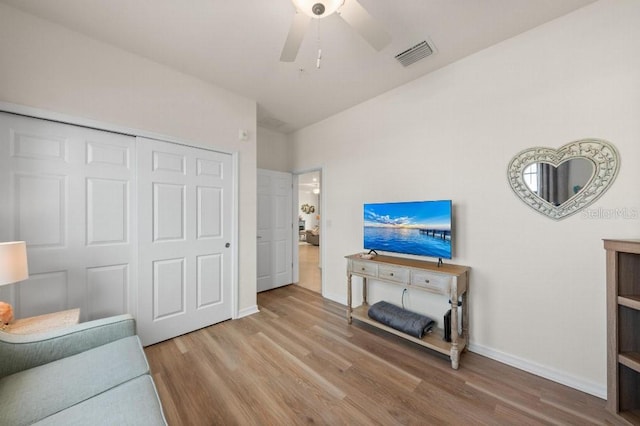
556	185
561	182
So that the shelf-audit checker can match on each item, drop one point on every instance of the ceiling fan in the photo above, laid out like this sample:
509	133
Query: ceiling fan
349	10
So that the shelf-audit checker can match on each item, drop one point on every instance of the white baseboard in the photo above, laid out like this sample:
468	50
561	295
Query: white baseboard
557	376
248	311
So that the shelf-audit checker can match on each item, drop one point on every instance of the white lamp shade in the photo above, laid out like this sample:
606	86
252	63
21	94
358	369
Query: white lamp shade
13	262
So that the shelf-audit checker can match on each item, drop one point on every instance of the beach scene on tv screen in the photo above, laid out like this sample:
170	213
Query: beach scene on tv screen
422	228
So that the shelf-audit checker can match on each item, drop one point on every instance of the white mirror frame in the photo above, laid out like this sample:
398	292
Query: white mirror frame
601	153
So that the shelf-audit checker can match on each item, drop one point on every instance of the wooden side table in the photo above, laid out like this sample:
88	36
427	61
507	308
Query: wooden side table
42	323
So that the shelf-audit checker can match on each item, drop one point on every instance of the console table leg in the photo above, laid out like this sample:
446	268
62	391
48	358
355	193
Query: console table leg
455	352
349	309
364	290
455	356
465	322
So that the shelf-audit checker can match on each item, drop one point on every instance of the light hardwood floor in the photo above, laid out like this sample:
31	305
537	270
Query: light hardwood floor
298	362
310	275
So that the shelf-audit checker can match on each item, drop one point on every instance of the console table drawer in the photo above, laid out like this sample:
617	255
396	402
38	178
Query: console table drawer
399	275
365	268
432	282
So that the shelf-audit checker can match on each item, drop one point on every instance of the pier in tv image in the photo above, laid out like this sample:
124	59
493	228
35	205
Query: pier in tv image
420	228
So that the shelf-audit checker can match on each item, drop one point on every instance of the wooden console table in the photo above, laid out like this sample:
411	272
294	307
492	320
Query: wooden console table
449	280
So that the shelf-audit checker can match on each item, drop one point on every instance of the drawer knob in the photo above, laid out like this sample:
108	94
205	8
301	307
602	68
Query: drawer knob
391	274
426	281
363	268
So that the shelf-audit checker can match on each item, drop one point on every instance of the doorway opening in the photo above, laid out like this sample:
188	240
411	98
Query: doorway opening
309	212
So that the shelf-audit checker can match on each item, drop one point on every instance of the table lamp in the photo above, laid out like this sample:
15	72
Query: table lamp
13	268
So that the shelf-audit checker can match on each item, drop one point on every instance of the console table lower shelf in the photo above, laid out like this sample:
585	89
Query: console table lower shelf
433	340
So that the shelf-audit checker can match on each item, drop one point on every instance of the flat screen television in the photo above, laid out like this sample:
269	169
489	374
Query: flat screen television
421	228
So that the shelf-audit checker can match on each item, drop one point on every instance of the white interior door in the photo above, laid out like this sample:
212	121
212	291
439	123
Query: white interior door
185	258
68	192
275	230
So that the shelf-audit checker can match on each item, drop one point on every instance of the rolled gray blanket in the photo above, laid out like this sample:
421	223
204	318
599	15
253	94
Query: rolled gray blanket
400	319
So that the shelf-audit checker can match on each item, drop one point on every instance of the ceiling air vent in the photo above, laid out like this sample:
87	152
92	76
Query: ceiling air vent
414	54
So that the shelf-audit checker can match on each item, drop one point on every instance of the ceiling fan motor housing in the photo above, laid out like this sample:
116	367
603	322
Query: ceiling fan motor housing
318	9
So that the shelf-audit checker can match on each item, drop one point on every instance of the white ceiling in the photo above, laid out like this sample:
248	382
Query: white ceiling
236	44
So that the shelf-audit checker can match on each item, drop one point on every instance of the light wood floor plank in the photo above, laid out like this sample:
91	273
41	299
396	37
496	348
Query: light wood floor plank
297	348
302	370
319	310
395	374
318	350
299	362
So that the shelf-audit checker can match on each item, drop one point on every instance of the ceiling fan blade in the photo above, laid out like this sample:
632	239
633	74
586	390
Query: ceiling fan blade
294	39
370	29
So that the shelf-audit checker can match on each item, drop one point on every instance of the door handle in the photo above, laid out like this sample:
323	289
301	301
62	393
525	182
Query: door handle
227	245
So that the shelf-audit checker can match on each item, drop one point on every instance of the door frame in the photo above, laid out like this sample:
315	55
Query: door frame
295	201
113	128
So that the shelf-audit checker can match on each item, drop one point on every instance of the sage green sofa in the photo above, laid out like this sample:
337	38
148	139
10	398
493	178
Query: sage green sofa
92	373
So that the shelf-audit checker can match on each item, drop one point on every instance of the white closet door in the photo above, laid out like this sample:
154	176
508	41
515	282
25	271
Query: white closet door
185	258
67	192
275	230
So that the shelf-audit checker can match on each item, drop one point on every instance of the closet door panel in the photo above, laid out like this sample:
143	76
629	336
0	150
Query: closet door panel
185	253
67	192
